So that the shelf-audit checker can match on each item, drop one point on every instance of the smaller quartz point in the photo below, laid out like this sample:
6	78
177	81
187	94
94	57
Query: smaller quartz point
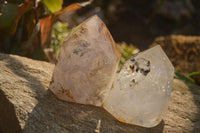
142	89
86	65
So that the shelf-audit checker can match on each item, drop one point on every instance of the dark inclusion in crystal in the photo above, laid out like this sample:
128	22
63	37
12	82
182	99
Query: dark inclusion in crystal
82	48
140	65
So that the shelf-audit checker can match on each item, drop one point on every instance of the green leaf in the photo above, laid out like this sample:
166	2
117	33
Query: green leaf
184	78
194	74
53	5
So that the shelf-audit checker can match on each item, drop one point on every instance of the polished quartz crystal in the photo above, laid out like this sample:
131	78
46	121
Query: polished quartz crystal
86	65
142	89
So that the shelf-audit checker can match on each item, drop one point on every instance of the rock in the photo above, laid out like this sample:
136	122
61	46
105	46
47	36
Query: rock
87	64
142	89
26	105
183	114
183	51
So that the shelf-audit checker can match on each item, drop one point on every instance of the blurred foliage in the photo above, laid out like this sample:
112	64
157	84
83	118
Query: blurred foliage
53	5
26	25
193	78
59	34
8	15
184	77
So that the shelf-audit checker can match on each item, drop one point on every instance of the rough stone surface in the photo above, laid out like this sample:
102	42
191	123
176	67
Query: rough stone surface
27	106
183	51
142	89
86	65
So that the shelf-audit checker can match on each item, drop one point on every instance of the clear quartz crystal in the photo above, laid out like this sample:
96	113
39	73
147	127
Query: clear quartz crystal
142	89
86	65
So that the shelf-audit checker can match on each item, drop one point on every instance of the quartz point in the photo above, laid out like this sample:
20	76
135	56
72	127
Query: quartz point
141	91
86	65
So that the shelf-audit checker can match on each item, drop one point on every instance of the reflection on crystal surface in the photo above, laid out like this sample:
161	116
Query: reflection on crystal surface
141	92
86	65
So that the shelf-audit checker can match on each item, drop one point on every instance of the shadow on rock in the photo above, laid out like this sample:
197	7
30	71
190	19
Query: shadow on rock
196	98
53	115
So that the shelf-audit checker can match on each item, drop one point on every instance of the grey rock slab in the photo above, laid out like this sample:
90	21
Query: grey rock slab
26	105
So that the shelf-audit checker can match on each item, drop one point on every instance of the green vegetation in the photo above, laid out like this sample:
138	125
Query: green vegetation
59	34
191	78
26	25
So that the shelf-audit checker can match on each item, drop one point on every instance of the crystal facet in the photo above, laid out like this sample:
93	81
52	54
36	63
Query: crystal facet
142	89
86	65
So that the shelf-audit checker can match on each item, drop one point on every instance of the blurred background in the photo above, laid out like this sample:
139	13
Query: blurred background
37	28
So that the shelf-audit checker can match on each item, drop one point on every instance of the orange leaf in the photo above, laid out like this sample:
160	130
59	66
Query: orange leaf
71	7
47	22
46	25
23	8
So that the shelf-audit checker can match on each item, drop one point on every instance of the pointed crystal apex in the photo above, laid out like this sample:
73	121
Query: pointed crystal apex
142	89
86	64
